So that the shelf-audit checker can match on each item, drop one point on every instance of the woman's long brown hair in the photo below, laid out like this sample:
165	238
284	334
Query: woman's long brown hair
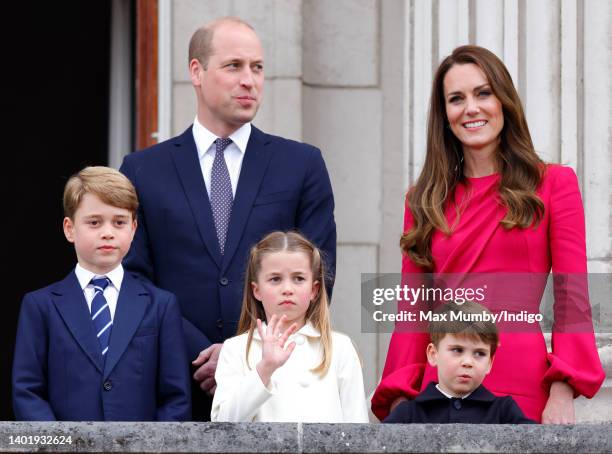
520	167
318	310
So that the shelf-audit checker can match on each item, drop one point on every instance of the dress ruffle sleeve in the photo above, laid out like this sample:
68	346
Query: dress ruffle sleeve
403	373
574	358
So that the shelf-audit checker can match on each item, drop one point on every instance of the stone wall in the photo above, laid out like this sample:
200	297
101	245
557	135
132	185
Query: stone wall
303	438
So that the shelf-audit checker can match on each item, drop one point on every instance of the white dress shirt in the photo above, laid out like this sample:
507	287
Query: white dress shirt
111	292
449	395
295	393
234	153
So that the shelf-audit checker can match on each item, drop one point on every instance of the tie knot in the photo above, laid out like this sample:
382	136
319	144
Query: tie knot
222	144
100	282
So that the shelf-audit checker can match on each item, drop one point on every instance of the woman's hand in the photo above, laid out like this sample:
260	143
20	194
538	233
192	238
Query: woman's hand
560	405
273	351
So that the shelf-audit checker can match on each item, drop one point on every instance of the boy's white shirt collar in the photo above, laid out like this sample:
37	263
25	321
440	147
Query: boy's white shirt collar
307	330
85	276
450	396
203	136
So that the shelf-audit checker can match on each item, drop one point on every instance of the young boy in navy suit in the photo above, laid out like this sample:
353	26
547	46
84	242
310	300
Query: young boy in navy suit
100	345
462	347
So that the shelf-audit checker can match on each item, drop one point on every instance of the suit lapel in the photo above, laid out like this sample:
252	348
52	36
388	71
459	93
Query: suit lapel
185	156
131	305
70	302
254	165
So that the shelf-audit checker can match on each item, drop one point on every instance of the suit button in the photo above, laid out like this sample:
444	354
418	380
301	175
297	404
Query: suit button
219	323
457	404
107	385
224	281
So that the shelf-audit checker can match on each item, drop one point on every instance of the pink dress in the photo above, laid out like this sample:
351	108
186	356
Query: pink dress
479	244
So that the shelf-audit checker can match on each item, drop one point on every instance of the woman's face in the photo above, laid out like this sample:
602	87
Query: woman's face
474	113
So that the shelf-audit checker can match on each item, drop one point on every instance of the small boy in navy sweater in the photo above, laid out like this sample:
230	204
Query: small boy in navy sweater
463	351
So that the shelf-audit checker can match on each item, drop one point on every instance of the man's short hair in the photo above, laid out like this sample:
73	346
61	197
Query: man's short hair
200	45
109	185
471	324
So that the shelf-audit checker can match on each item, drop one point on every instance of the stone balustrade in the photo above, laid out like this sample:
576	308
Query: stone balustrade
300	438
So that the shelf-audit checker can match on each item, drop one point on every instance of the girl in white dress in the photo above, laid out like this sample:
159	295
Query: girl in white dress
286	364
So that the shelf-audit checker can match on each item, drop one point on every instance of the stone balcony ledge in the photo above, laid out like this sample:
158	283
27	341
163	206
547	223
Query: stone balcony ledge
302	438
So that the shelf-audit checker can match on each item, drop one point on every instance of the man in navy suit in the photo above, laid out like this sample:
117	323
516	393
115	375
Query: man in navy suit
100	345
211	193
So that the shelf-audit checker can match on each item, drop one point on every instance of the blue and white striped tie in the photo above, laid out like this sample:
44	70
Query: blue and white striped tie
100	313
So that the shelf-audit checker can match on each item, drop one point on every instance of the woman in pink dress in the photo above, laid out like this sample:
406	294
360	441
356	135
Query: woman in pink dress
486	203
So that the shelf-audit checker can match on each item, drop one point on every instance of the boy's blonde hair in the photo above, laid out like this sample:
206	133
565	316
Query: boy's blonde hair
109	185
318	310
481	330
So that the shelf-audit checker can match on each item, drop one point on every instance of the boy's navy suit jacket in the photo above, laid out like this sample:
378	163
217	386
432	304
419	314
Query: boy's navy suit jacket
480	407
59	372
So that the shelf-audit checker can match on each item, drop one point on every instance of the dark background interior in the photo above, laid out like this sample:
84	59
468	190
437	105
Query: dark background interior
56	109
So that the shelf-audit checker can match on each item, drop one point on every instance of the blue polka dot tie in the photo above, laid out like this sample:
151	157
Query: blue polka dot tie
100	313
221	197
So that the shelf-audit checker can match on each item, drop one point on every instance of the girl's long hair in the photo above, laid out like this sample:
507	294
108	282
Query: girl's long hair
520	167
318	310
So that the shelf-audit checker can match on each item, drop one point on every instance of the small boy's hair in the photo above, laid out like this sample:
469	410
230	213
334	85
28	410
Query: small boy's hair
469	324
109	185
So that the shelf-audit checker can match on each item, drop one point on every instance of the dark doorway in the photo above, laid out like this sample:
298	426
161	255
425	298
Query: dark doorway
57	105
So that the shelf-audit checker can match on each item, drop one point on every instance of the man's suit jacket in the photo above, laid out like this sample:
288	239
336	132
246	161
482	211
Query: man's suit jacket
283	185
59	372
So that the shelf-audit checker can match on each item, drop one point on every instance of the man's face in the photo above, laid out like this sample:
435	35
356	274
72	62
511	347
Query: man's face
230	88
462	363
